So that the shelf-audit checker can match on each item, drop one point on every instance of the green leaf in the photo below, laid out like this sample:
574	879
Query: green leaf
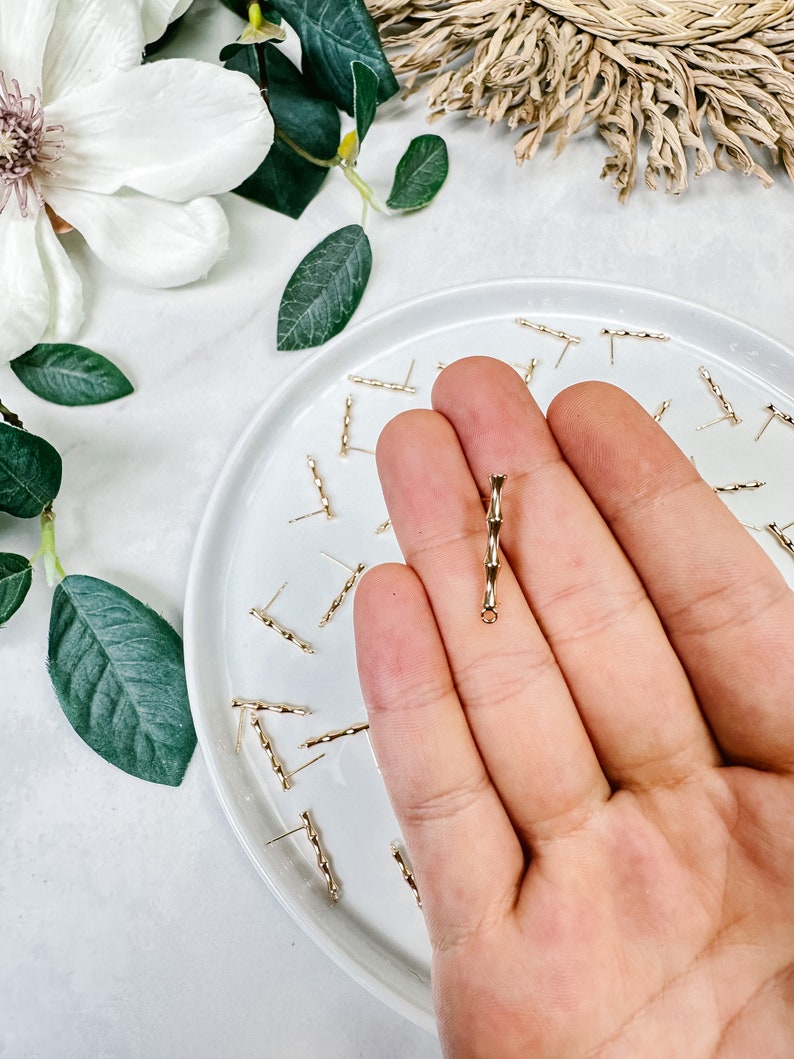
70	375
16	576
117	669
228	51
365	97
284	181
298	108
420	173
334	33
30	472
244	58
325	289
240	7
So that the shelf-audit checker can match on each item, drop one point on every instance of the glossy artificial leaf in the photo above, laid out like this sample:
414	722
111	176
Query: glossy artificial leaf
70	375
240	7
286	181
244	58
420	173
365	98
325	289
118	671
334	33
16	576
230	50
30	472
298	108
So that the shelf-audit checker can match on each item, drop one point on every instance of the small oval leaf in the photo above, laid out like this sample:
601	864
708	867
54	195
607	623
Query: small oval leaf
70	375
365	97
325	289
30	472
16	576
118	671
420	173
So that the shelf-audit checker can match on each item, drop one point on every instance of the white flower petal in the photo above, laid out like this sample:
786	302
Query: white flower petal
177	129
25	304
156	14
156	243
65	286
24	28
89	44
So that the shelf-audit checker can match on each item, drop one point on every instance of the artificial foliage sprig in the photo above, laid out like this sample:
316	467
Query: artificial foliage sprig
343	69
116	666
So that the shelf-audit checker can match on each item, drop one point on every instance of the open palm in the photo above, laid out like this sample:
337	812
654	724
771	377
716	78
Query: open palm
597	790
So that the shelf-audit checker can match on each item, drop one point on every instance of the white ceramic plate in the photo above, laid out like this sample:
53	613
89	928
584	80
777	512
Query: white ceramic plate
247	547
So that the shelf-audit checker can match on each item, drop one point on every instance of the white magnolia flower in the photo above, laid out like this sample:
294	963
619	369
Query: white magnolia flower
124	153
156	14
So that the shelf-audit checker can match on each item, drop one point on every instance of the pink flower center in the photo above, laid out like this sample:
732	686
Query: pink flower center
27	146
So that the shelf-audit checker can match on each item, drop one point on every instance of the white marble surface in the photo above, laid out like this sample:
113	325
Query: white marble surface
131	923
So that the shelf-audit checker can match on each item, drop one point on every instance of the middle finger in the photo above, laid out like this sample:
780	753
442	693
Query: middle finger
516	701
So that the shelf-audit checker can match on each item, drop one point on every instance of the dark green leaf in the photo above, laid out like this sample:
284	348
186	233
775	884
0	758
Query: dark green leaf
244	58
240	7
284	181
325	289
30	472
333	33
420	173
70	375
365	101
15	578
298	108
230	50
117	669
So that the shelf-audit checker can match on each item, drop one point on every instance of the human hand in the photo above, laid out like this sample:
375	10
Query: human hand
596	790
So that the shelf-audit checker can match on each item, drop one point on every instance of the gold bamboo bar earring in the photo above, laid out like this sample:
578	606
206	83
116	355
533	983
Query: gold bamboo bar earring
344	445
348	586
323	863
324	501
275	764
730	412
782	537
491	562
270	623
526	370
244	705
401	387
406	872
622	332
657	416
738	487
340	733
775	413
569	340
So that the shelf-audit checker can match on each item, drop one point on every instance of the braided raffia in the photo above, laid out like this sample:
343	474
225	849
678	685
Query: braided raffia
702	85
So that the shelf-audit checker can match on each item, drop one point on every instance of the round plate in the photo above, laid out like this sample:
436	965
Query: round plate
248	546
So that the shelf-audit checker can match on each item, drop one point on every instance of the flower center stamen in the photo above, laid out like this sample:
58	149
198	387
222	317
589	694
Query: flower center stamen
27	146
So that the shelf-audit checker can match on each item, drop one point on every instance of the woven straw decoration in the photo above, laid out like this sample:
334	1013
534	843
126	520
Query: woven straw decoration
698	84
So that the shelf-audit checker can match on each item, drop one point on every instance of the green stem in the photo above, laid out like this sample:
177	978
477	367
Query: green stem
52	564
10	417
327	163
363	188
